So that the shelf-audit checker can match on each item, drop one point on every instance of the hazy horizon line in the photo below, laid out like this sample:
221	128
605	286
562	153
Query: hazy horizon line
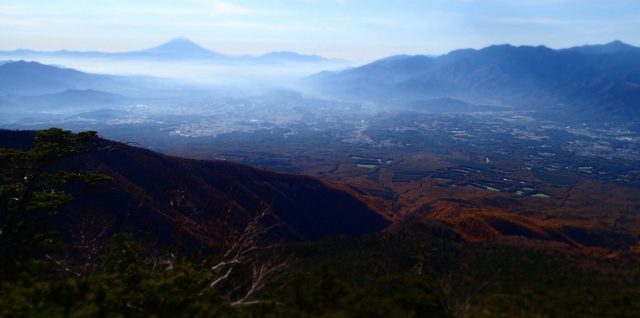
132	50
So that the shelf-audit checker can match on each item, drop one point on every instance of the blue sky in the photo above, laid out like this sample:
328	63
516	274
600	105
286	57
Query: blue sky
353	29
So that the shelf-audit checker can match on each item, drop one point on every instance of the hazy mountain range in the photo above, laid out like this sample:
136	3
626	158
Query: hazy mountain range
31	87
581	82
176	49
32	78
590	80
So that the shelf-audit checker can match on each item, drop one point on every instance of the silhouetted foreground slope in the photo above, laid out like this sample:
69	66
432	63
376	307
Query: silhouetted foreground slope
164	199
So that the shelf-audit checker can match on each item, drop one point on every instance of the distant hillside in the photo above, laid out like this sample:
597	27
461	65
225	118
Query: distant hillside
56	83
32	78
32	84
163	198
596	80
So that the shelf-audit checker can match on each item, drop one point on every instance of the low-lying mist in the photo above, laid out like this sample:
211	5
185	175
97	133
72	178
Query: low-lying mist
214	72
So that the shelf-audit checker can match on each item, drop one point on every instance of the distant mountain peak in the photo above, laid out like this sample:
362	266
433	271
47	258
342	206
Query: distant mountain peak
615	46
180	41
181	47
619	45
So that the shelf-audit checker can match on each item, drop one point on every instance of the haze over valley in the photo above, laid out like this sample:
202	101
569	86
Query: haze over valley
495	179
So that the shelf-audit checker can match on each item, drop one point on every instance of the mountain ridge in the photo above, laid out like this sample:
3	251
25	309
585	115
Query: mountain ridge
180	48
612	47
24	77
201	202
593	83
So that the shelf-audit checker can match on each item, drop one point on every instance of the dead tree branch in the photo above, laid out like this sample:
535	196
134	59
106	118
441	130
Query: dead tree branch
248	250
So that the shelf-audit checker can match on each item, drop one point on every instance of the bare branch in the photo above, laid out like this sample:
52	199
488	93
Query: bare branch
221	278
246	250
61	265
262	274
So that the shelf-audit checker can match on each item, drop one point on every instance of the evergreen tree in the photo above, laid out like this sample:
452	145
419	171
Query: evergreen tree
31	192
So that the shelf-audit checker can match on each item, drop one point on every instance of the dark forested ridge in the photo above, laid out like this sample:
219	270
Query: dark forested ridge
154	193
